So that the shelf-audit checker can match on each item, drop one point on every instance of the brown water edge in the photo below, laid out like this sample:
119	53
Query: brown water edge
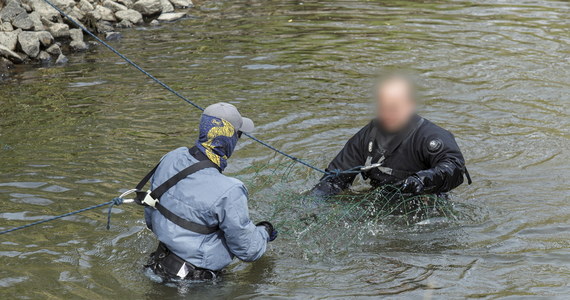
493	72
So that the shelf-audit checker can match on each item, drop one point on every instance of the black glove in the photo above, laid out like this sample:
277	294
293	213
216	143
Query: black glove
412	185
270	230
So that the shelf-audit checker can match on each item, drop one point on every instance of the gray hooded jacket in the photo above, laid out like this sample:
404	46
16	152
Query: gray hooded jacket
210	198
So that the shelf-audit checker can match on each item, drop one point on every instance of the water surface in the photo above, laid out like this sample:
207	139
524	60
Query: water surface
495	73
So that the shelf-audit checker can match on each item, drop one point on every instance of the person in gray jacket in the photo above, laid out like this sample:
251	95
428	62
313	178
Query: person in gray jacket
199	215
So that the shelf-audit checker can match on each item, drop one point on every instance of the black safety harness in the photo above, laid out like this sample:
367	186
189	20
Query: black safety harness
171	266
152	198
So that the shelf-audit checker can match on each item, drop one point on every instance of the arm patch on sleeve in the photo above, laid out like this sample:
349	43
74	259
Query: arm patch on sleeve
435	145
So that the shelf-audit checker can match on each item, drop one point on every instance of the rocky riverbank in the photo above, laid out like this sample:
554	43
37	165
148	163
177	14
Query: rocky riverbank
33	31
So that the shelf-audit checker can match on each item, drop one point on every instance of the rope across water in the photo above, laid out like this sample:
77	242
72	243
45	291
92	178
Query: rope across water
115	201
168	88
119	200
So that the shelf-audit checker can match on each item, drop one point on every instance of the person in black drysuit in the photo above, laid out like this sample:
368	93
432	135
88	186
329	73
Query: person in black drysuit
397	148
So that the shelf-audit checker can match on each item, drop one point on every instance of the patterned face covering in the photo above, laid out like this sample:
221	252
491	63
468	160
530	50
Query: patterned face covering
217	139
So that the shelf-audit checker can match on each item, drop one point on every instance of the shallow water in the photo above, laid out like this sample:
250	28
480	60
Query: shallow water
493	72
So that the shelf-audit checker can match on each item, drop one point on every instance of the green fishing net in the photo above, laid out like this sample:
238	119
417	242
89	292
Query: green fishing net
337	223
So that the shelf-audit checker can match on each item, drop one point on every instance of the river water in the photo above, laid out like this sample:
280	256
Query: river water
494	72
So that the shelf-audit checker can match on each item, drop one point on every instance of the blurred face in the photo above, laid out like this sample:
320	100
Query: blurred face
395	104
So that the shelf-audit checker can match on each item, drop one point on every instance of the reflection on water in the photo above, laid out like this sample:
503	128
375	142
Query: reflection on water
493	72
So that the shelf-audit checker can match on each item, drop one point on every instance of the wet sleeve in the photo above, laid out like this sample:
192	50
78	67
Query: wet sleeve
447	165
245	240
352	155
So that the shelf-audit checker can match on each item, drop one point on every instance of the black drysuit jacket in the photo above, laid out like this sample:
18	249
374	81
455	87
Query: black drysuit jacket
422	149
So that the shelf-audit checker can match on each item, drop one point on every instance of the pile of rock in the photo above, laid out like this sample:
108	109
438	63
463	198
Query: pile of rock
32	30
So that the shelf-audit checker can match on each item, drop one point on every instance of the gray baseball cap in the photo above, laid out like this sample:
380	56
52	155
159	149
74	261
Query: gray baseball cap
230	113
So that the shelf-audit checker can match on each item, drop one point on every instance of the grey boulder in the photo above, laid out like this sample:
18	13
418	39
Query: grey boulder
104	26
61	60
29	43
23	21
182	3
78	45
9	39
44	56
45	38
94	16
5	65
166	6
6	26
124	24
11	11
148	7
106	13
11	55
63	4
54	49
76	34
85	6
59	30
130	15
114	6
113	36
127	3
27	7
76	13
37	20
77	42
167	17
44	10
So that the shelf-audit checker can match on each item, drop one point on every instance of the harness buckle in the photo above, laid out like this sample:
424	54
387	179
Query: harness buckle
149	200
386	170
183	271
370	167
367	163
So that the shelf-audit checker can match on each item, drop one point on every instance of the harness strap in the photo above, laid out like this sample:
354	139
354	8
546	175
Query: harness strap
143	182
188	225
165	186
396	173
469	181
167	264
371	142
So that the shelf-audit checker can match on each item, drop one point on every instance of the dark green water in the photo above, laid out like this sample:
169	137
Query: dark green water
496	73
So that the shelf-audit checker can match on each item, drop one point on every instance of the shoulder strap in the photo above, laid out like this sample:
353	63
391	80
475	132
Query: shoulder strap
146	178
165	186
203	163
140	193
172	181
371	142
